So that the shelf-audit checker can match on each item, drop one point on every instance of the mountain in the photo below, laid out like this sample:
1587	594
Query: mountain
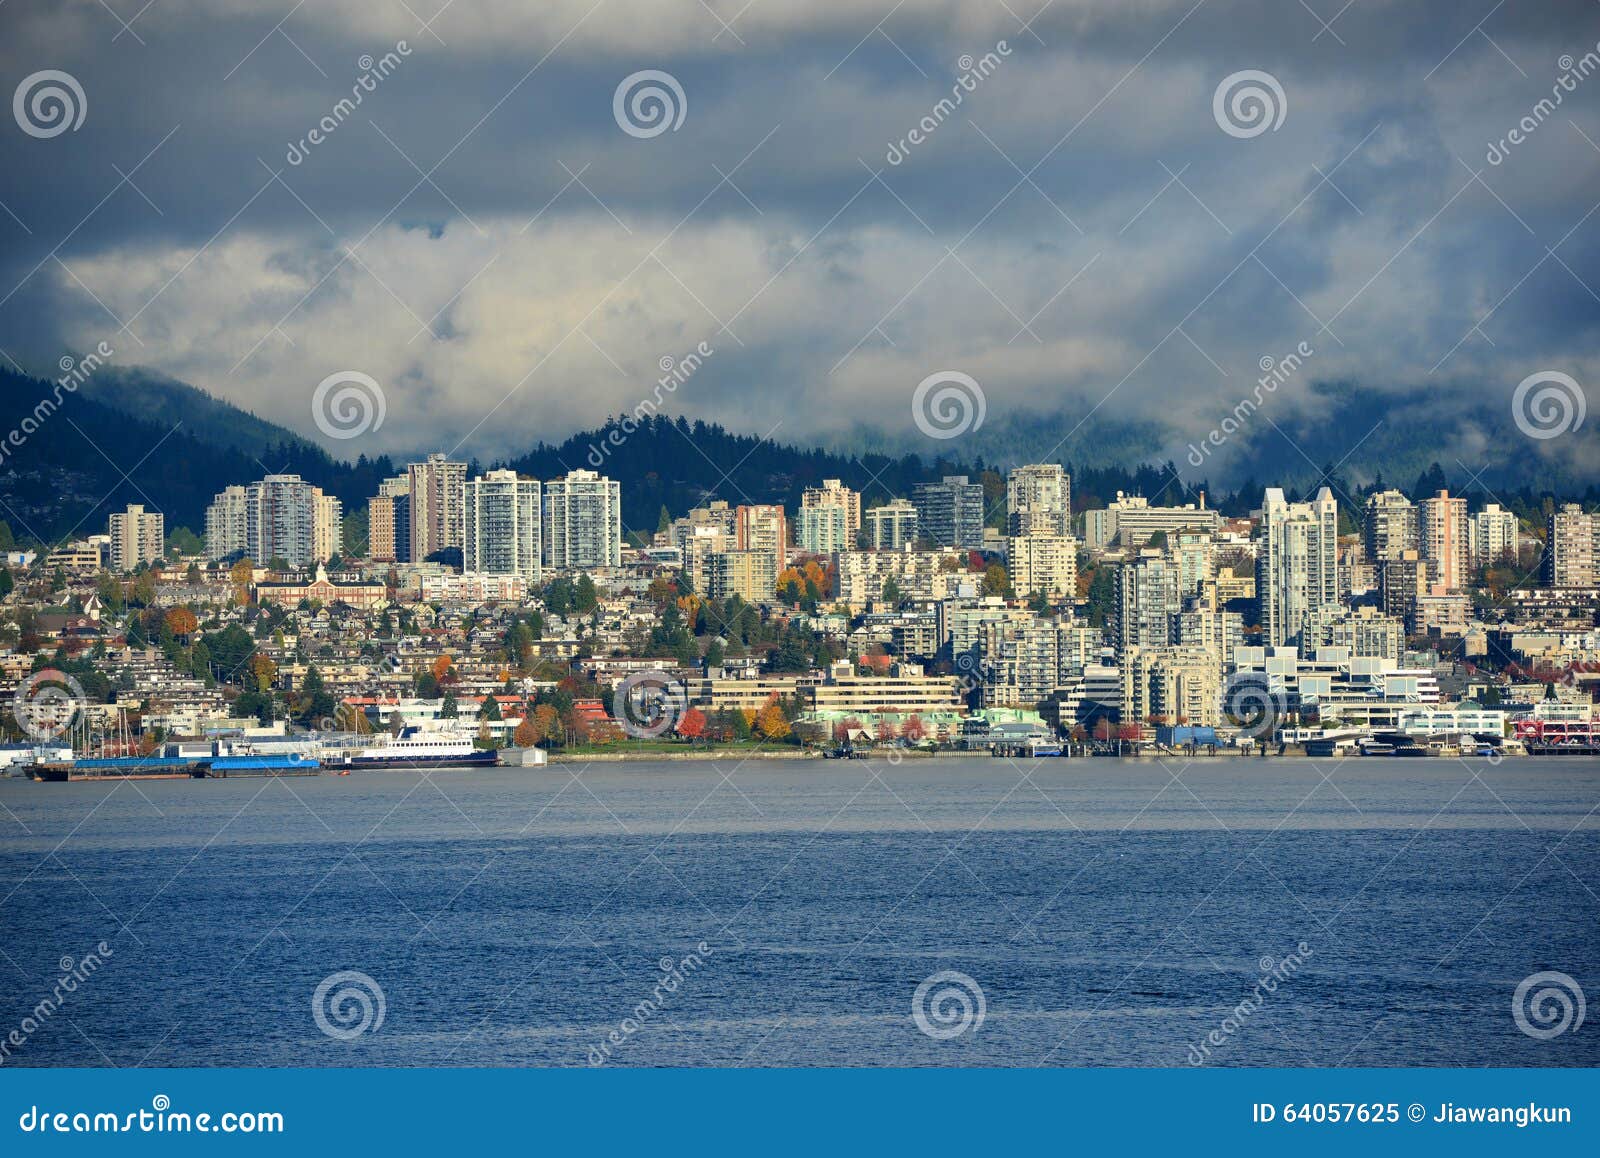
166	401
76	454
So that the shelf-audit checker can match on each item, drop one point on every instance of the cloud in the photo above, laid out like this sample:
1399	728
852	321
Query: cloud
1077	233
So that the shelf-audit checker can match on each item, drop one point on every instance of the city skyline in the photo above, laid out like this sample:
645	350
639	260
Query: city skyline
985	534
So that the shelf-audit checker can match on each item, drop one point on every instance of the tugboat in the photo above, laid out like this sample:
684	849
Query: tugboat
845	751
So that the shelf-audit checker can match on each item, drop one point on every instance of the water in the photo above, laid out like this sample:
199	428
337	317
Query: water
1112	913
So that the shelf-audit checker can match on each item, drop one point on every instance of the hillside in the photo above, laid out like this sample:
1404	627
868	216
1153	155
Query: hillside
178	446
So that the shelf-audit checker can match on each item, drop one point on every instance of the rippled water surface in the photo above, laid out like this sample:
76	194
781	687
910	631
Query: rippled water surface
1105	912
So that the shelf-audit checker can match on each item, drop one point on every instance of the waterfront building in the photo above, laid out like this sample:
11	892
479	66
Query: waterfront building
1202	623
437	493
1369	693
1147	599
906	690
501	533
1171	685
1442	530
950	513
1464	718
1296	561
1026	661
582	522
137	536
1039	501
893	525
1365	632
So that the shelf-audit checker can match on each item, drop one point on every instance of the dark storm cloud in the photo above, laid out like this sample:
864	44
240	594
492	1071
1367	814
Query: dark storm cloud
482	237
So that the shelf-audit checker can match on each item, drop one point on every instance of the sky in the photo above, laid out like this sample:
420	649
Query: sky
498	245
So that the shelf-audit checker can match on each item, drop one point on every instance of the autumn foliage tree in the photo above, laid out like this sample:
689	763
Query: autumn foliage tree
770	721
693	724
263	670
181	621
527	734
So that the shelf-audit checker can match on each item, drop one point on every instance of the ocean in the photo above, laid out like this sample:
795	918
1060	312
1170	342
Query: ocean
949	912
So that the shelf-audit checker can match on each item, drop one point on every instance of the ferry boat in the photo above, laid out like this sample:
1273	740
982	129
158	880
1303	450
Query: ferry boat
414	748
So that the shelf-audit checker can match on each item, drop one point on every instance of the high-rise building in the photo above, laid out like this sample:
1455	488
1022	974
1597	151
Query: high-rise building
833	494
1043	563
824	530
950	513
438	495
1401	583
327	527
762	527
1147	601
1442	530
1390	526
893	525
501	533
1039	500
751	575
227	524
1297	567
1572	548
582	522
389	521
1491	536
282	517
137	536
